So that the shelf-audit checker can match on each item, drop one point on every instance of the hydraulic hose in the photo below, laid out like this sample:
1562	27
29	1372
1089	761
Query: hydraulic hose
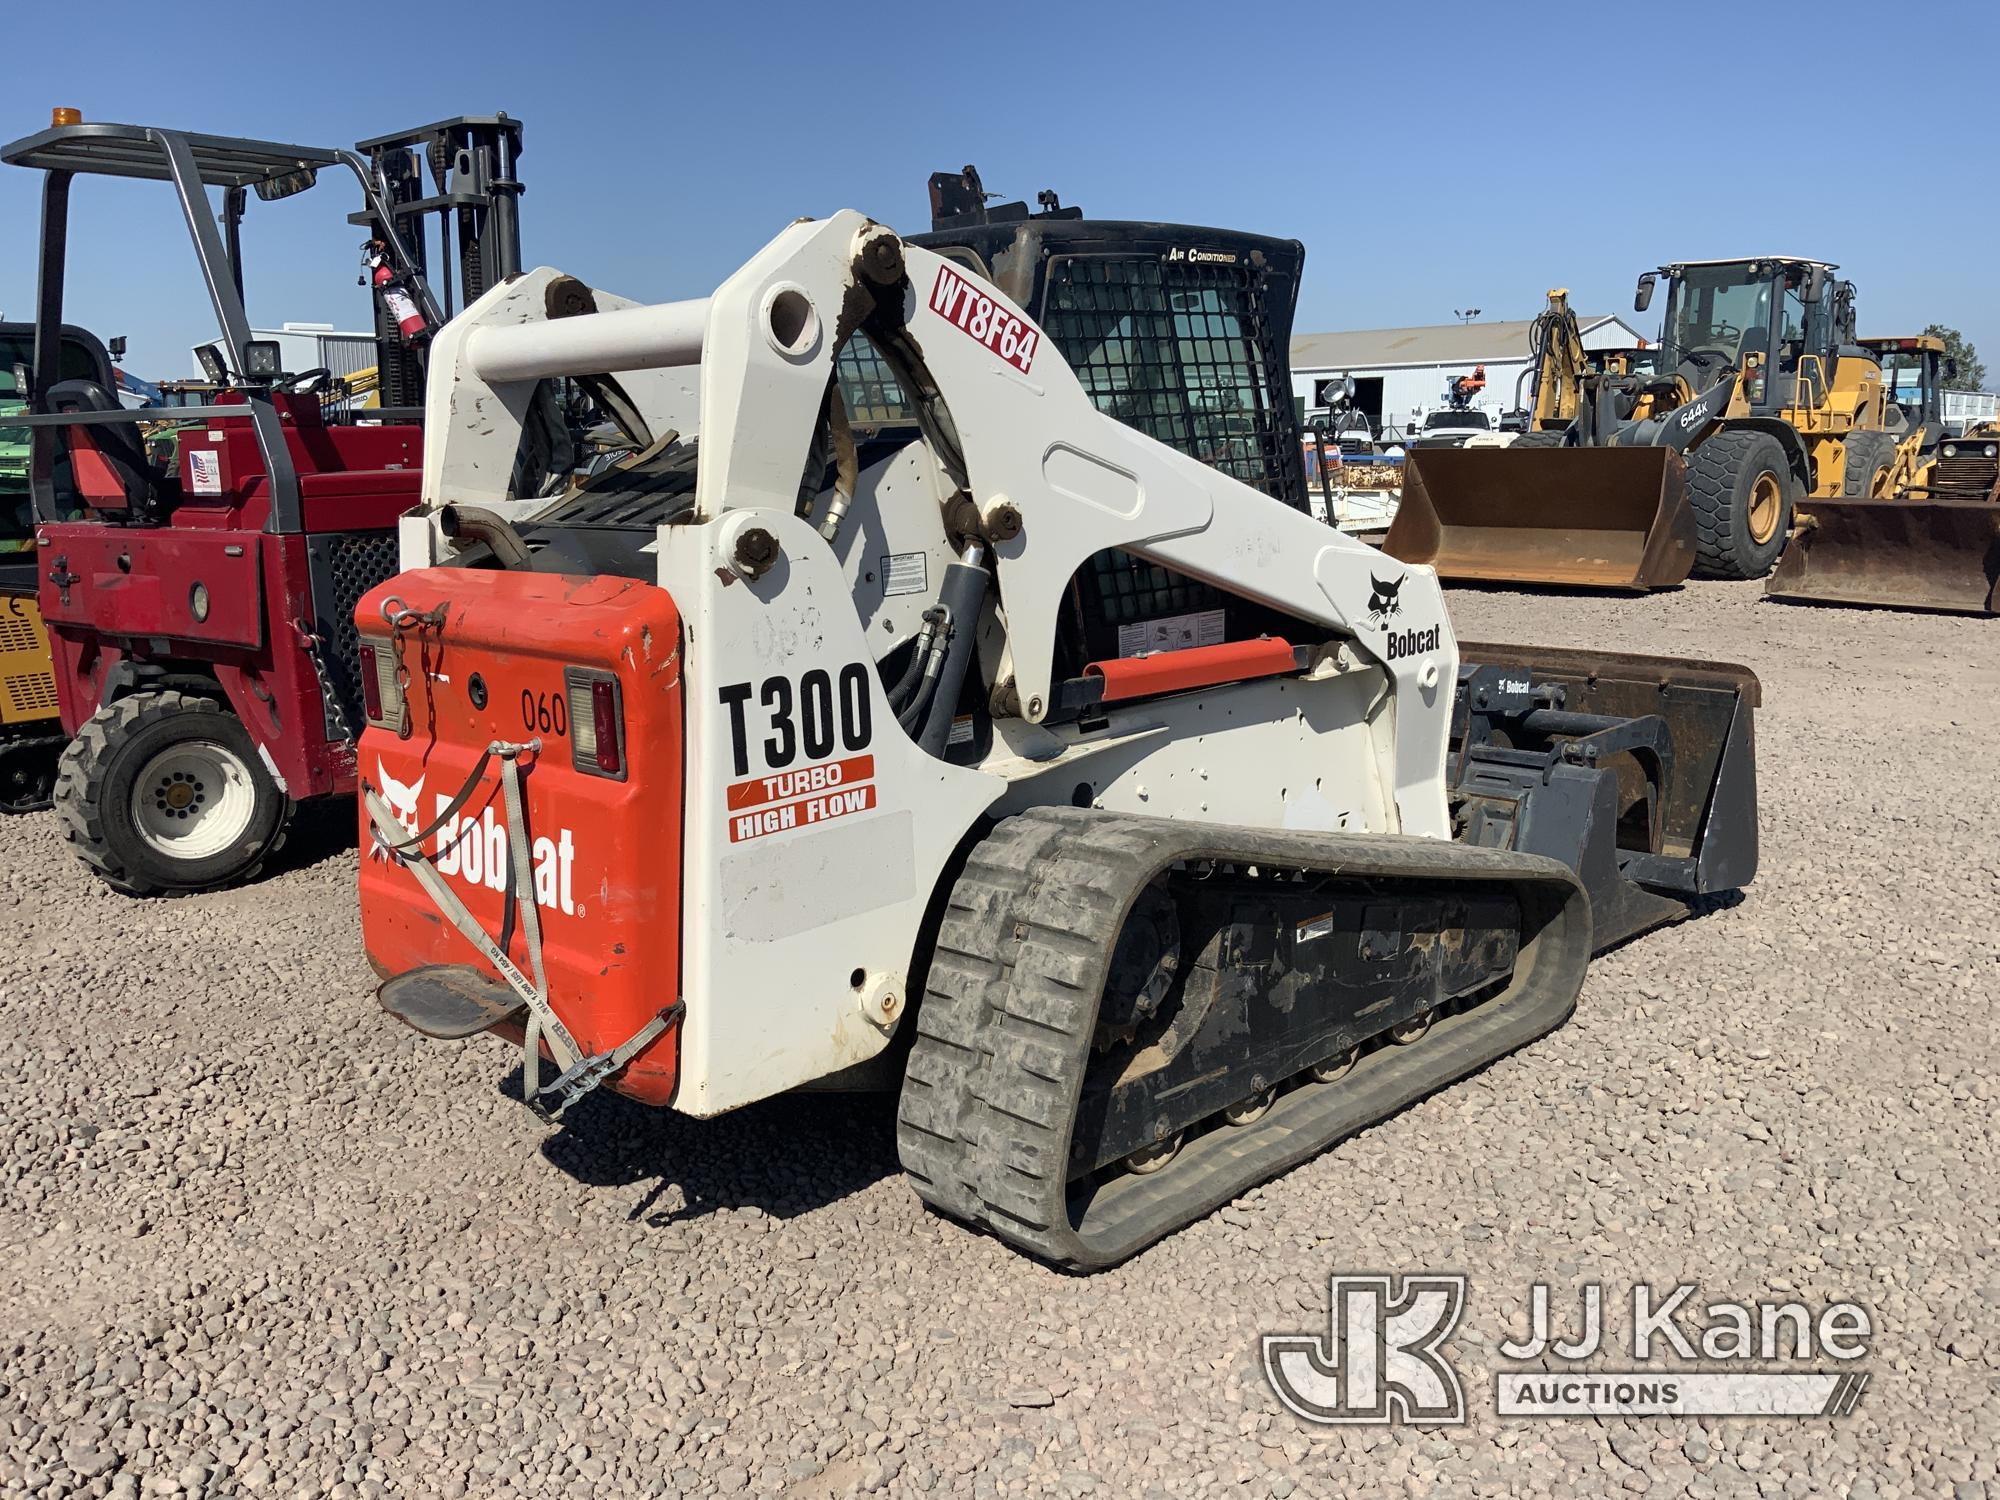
912	713
899	692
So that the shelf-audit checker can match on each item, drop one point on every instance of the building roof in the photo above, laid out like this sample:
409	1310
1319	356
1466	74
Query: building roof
1435	344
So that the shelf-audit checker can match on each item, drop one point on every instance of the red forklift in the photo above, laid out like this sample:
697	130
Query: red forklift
199	594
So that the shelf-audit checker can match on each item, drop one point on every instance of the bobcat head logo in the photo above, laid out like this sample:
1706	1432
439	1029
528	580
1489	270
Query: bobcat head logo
402	802
1383	601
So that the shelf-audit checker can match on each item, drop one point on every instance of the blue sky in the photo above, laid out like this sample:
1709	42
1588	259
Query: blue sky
1430	157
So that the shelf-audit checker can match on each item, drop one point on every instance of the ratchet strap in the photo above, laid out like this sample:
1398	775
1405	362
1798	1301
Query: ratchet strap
578	1073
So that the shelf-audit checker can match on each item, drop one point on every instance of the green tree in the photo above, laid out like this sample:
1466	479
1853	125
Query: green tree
1971	374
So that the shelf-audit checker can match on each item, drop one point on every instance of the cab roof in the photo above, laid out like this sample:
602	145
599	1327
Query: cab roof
105	150
1744	260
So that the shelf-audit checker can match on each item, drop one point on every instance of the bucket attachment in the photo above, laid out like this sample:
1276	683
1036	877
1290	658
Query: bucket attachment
1605	518
1899	554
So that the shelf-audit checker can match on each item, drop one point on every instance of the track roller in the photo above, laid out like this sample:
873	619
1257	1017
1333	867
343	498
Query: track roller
1413	1030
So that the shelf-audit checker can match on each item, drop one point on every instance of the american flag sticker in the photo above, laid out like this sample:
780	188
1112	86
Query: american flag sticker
205	471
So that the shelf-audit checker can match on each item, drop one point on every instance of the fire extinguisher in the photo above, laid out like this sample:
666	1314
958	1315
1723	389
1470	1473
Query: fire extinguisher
393	290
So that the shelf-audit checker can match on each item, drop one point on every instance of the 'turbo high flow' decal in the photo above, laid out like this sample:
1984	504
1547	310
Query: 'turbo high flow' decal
790	799
971	311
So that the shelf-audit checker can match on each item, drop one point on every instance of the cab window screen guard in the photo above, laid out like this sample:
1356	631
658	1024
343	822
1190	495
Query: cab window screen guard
1172	350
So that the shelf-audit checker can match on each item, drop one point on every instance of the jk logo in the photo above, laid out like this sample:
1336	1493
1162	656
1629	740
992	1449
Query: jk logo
1381	1360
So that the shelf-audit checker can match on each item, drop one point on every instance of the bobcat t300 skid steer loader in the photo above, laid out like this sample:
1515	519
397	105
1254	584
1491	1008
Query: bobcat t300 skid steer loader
800	752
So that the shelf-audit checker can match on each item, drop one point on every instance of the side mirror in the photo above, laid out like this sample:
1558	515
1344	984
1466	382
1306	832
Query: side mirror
285	184
1950	369
263	361
116	349
1815	283
1643	297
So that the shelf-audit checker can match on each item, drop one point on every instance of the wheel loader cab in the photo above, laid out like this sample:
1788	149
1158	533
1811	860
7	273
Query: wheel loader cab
1913	381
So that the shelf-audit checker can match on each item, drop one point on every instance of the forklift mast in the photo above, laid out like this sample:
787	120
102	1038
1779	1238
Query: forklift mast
474	193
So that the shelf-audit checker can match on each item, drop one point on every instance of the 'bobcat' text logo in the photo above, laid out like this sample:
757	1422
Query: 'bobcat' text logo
1379	1361
1384	599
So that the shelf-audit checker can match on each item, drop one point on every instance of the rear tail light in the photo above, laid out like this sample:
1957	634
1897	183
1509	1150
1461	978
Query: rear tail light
381	694
596	722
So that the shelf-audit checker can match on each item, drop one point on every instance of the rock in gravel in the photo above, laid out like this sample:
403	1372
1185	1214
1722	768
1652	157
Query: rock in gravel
257	1239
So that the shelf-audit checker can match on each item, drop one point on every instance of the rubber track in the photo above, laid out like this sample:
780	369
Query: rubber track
80	786
991	1090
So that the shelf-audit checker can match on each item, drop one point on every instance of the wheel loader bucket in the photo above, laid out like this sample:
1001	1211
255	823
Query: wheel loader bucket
1606	518
1899	554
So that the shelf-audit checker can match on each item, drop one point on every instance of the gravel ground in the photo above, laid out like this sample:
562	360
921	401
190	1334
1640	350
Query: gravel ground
257	1239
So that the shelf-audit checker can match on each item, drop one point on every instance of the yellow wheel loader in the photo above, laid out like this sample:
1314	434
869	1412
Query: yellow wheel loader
1916	524
1690	461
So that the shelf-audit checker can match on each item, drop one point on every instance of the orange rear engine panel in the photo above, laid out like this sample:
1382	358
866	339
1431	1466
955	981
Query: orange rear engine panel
607	851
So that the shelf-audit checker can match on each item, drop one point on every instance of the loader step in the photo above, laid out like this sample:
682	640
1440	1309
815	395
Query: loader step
1034	1068
450	1001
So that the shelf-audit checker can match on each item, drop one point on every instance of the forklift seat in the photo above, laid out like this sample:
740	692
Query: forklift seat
110	466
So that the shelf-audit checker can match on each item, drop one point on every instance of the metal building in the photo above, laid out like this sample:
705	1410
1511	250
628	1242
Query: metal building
1401	373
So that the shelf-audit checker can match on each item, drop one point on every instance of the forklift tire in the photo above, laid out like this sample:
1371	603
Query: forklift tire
164	792
1741	489
1868	455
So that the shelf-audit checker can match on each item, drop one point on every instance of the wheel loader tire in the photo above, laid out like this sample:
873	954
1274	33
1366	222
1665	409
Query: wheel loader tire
164	792
1556	439
1741	491
1869	455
